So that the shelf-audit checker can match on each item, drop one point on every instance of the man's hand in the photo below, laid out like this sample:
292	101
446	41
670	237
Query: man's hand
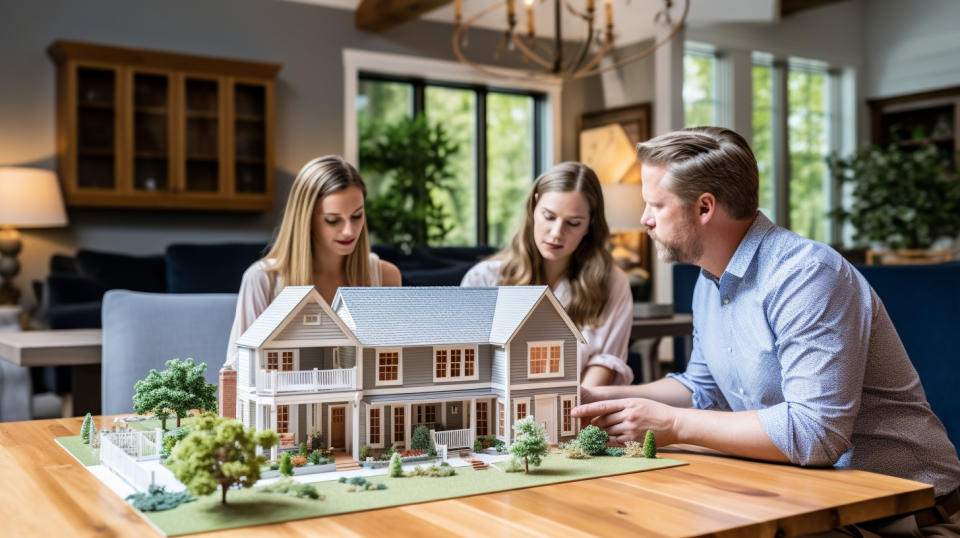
629	419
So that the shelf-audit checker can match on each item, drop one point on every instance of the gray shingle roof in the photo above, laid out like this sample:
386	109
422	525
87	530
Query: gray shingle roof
274	315
438	315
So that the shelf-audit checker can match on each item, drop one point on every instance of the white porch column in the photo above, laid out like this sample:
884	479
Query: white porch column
443	414
258	422
473	419
407	423
311	409
275	451
353	418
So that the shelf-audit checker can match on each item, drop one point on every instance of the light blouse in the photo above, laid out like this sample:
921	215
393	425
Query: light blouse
607	341
258	289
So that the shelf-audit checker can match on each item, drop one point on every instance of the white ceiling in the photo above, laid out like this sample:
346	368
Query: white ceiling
633	18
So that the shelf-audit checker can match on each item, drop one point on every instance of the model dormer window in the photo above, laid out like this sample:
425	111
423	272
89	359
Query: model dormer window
389	367
454	363
544	359
311	319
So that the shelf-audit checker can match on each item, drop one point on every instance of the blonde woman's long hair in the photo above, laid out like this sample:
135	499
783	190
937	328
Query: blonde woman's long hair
590	263
292	250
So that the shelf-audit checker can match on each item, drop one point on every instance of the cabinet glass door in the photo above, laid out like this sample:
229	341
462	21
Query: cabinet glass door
250	138
151	132
202	129
96	128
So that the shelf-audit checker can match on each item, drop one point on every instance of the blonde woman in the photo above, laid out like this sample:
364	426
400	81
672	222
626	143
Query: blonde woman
562	243
322	241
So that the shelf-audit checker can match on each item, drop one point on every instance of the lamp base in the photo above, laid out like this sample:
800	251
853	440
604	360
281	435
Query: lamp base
10	246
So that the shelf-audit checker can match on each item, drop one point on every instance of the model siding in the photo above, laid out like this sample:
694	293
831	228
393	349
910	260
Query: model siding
244	379
326	330
417	369
544	324
498	366
348	356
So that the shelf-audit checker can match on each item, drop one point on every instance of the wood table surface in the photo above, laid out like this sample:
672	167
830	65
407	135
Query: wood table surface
47	493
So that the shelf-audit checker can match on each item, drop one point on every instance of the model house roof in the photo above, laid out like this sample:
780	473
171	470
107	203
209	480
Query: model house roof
272	319
417	316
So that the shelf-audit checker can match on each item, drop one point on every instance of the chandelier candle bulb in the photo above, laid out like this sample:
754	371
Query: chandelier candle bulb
529	4
608	5
458	11
510	10
589	6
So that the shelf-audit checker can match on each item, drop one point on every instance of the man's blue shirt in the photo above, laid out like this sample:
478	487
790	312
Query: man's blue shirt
792	330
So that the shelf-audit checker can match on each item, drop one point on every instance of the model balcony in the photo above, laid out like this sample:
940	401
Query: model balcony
274	382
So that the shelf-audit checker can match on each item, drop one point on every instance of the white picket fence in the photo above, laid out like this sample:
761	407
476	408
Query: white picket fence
117	459
453	438
306	380
140	445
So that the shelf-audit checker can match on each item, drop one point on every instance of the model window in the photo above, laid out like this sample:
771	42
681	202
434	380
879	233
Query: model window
430	414
388	367
441	368
500	429
455	362
545	359
273	359
311	319
481	418
521	410
469	361
398	425
566	406
283	419
280	360
374	425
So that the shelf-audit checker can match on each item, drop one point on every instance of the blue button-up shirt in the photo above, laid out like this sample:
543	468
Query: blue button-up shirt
792	330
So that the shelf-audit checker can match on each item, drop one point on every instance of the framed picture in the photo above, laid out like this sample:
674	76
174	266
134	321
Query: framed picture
606	142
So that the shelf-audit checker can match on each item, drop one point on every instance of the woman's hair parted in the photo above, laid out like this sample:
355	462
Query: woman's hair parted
590	263
707	159
292	249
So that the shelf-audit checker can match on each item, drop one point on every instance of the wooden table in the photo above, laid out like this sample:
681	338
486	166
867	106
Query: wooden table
77	348
48	493
655	329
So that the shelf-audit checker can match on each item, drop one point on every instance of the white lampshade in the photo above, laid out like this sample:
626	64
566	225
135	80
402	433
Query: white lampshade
30	198
623	204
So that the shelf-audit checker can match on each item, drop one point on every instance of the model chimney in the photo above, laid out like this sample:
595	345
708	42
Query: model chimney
227	398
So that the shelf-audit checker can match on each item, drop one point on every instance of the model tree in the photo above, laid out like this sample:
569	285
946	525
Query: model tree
86	429
530	443
219	452
396	466
179	388
593	440
421	439
286	464
649	445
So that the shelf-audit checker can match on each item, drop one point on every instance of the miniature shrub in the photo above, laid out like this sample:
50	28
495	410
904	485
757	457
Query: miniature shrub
381	486
274	466
477	445
436	471
298	461
649	445
342	480
614	451
573	450
286	465
422	440
593	440
351	489
289	486
316	441
314	457
633	449
364	452
85	428
171	438
358	481
303	449
396	466
158	499
515	465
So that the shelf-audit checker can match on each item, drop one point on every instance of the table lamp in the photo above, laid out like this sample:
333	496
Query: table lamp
29	198
623	204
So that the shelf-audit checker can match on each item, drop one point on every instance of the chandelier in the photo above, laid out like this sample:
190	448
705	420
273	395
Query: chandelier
586	61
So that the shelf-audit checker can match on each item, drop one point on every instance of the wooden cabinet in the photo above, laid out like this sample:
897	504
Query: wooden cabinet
148	129
910	121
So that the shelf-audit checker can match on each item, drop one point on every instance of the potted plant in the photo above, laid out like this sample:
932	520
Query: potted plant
901	199
412	159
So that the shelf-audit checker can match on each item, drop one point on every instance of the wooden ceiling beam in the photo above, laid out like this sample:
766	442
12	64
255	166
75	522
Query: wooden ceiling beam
789	7
381	15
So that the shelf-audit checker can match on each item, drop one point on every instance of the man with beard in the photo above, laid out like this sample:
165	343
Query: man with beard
794	356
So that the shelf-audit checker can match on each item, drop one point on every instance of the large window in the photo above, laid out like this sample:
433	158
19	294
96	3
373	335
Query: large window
791	140
500	148
699	86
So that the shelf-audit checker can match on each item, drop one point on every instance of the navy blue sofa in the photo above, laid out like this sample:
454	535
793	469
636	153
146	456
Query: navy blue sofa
924	304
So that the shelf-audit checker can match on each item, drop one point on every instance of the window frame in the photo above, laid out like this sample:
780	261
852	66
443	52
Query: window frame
280	351
380	421
376	366
311	323
548	344
572	398
387	67
448	378
525	401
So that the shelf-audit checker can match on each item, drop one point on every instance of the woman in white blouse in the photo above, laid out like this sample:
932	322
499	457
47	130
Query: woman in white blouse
322	241
562	243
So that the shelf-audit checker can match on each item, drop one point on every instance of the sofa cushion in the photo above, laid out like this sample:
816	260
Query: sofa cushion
209	268
122	271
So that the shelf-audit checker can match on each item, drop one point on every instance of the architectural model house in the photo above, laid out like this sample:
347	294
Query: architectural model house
367	370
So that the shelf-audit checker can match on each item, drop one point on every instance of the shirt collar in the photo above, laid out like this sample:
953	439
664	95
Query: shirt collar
747	249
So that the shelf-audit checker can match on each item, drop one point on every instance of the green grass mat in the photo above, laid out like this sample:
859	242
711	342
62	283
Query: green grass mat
74	445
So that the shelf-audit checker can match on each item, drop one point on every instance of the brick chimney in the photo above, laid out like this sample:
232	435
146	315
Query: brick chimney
227	397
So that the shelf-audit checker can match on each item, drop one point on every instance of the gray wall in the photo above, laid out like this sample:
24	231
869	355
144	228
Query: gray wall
544	324
417	369
306	39
297	330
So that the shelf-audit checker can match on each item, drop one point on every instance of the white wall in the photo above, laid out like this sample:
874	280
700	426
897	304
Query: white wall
911	46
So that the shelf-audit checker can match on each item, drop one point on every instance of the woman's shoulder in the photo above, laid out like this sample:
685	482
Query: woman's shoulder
259	273
485	273
389	273
618	283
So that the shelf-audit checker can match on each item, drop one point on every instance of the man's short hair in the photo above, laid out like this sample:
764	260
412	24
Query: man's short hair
707	159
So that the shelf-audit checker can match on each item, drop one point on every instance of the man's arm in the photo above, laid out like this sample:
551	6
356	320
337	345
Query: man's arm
666	390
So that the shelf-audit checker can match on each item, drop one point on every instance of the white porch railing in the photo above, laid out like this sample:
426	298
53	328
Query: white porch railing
272	382
140	445
116	458
453	438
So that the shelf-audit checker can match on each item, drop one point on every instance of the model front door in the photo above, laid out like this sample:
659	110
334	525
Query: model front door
546	413
338	427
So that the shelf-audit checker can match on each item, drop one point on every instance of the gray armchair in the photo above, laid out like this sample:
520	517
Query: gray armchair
142	331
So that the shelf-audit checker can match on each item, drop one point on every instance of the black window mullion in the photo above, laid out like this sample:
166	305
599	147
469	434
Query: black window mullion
481	170
537	136
419	90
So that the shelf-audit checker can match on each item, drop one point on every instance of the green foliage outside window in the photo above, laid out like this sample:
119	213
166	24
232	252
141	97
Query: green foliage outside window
807	120
510	165
699	97
902	199
762	144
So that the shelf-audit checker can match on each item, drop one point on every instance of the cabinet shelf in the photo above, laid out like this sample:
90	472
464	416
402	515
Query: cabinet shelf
149	129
